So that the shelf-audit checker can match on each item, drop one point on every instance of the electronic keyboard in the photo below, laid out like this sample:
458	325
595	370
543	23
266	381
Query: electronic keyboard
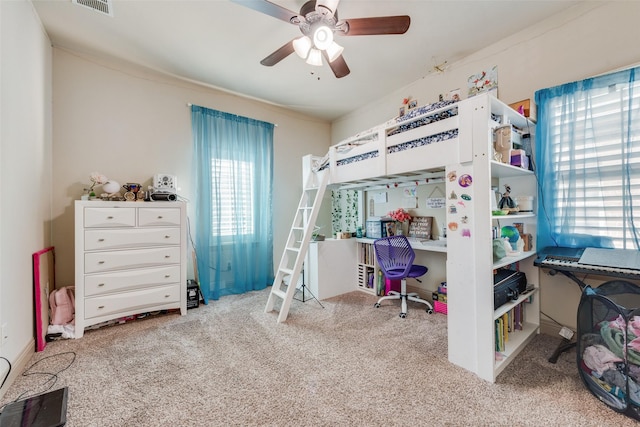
569	260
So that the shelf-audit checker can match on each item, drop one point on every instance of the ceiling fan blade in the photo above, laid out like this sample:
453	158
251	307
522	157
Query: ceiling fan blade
338	66
374	26
271	9
278	55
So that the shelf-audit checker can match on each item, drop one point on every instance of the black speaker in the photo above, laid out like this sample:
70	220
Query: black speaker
170	197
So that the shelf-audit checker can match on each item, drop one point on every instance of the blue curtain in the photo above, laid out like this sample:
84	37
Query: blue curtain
233	239
588	162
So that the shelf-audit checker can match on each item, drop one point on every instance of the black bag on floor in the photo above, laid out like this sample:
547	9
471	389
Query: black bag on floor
507	286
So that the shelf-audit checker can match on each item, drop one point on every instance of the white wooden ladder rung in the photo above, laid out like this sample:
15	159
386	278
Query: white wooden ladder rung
290	267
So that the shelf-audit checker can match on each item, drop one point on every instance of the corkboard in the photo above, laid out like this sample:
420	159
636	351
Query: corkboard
420	227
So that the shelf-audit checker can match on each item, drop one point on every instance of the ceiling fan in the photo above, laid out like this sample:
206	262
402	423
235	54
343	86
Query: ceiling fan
318	21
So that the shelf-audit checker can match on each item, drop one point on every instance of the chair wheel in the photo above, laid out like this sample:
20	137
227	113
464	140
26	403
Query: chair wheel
429	310
376	305
403	315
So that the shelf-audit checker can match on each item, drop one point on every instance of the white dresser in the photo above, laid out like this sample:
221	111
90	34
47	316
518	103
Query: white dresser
130	258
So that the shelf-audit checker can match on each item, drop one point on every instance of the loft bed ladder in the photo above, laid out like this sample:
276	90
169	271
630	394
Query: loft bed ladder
295	251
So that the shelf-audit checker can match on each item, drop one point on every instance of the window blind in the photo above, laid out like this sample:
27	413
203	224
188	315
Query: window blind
594	141
232	196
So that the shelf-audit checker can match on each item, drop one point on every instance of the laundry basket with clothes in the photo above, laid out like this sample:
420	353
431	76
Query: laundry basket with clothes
608	344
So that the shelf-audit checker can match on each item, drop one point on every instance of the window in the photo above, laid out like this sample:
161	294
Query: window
232	196
233	176
589	161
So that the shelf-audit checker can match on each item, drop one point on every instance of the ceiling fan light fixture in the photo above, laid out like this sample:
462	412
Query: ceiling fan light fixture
322	37
334	51
315	58
327	7
302	46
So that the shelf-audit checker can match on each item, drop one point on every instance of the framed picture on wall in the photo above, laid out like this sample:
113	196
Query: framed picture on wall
484	81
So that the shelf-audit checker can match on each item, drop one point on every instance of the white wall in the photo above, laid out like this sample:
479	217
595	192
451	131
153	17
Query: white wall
130	123
584	41
25	171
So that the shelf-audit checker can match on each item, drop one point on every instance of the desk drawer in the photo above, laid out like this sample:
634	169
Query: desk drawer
109	217
128	238
97	262
157	217
136	301
105	283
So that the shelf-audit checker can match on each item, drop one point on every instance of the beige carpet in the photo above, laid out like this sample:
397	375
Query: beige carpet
347	364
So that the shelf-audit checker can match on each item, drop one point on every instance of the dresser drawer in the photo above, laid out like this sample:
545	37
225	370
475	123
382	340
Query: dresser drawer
157	217
128	238
109	217
96	262
105	283
130	302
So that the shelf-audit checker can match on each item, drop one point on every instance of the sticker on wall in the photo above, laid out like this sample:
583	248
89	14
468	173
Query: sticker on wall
453	226
466	232
411	191
453	195
466	197
453	210
464	219
465	180
452	176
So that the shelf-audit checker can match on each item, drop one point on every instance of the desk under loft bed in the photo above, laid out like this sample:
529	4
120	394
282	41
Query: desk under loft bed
454	141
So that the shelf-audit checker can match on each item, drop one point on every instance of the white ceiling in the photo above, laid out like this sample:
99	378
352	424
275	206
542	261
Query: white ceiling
220	44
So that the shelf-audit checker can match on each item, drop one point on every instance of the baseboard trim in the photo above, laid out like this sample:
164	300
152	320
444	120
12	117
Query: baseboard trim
19	365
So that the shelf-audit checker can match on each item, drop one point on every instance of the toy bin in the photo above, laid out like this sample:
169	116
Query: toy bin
440	307
608	344
391	285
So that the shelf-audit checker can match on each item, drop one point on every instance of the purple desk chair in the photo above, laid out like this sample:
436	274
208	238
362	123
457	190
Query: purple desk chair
395	258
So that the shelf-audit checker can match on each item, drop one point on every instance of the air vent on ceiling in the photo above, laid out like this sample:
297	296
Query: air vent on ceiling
102	6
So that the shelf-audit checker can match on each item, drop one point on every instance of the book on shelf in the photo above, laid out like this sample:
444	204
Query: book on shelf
508	323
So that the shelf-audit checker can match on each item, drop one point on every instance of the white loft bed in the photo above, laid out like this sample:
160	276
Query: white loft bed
420	143
452	139
417	144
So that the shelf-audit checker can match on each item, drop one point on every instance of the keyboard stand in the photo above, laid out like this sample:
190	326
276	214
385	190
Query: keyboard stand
565	344
567	261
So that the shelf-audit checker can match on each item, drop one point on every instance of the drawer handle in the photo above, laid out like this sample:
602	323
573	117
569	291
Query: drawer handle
167	237
166	276
100	285
100	262
159	216
100	240
167	296
109	217
100	307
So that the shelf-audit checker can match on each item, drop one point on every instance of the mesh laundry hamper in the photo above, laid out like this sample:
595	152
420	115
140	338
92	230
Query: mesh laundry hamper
608	344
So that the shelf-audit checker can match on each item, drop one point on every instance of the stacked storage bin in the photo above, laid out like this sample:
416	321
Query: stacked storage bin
440	299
